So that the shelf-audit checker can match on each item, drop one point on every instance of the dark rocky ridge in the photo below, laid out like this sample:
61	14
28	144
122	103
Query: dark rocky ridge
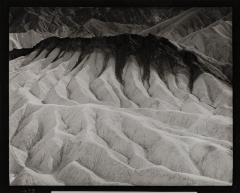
150	51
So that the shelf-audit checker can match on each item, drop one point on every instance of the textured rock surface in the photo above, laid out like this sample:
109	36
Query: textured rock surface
72	123
115	109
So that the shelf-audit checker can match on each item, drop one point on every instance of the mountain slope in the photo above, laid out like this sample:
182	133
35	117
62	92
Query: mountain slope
214	41
100	112
29	25
51	18
186	22
98	28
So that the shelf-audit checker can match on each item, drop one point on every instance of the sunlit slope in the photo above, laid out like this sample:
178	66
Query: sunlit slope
79	117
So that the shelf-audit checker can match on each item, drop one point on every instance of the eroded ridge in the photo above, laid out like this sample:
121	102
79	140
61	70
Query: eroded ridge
80	117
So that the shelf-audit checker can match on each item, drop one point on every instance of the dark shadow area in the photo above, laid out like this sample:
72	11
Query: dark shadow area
15	53
150	52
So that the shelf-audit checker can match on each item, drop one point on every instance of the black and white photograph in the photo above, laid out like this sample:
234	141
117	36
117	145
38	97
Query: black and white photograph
113	96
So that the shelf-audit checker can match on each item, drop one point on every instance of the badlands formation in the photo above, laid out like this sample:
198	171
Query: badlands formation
90	112
93	103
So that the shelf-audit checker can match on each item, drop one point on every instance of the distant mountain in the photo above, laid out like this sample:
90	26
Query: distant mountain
50	19
99	28
30	25
214	41
186	22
